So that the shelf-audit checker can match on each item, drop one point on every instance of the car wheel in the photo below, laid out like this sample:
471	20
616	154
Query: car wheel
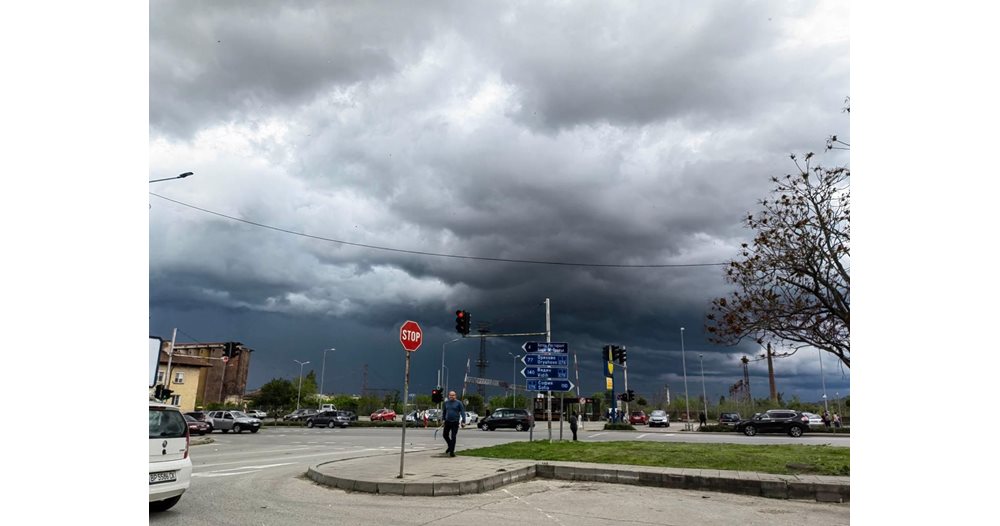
237	429
309	423
749	431
254	430
332	424
483	427
520	427
795	431
164	505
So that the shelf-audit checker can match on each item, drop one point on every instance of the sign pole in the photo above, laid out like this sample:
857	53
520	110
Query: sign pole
406	388
548	397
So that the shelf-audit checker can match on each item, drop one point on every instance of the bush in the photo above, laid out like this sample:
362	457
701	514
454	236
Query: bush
618	427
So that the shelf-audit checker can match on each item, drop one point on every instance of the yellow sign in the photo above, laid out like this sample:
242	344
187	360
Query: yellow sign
611	383
611	368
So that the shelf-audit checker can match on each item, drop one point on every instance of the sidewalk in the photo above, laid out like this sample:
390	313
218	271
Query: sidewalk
428	473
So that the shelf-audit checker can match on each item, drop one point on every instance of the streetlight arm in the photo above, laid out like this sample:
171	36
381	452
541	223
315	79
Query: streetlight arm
181	176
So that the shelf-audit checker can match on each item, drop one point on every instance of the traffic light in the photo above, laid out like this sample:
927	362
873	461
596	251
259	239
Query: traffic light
227	349
166	393
630	395
158	393
621	356
462	320
616	353
606	352
436	396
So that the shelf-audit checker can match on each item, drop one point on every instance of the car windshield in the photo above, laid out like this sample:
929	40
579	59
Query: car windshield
658	413
239	414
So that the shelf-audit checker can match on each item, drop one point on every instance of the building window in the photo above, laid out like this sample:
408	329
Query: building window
159	377
178	377
175	400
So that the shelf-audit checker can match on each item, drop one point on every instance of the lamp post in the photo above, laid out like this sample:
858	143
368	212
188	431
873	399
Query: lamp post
839	412
687	407
513	398
826	406
181	176
299	399
441	370
704	395
322	374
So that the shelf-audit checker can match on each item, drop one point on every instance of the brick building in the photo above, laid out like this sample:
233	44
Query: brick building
208	372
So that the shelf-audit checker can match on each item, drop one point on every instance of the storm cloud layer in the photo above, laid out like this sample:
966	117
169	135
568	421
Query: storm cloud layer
636	134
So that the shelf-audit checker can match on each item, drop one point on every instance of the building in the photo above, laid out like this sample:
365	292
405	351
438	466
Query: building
205	373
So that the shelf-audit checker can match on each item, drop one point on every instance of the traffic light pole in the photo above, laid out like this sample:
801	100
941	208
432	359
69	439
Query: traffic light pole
626	413
548	397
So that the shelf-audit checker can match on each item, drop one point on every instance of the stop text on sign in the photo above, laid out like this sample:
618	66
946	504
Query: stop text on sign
410	336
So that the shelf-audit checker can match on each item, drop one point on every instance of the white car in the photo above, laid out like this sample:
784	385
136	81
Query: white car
814	419
169	463
256	413
658	418
471	418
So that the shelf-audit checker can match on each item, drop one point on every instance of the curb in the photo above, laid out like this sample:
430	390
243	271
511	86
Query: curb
800	487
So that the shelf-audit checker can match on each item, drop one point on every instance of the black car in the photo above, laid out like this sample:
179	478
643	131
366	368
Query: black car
519	419
729	419
329	419
775	421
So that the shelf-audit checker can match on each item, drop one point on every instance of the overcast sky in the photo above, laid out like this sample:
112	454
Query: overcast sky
631	133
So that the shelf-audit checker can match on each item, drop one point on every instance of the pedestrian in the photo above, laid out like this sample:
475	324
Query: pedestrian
826	419
702	419
572	425
454	416
836	420
425	419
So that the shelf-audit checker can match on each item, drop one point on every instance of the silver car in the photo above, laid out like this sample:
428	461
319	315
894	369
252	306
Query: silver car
236	421
658	418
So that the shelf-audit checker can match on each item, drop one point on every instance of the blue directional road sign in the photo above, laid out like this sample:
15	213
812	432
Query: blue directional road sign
548	385
547	347
545	372
548	360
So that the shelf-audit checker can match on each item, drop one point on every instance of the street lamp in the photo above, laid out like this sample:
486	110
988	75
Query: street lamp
322	374
441	370
513	399
299	399
839	412
704	395
687	407
826	406
181	176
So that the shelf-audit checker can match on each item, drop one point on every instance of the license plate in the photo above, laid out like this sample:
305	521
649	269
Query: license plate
163	476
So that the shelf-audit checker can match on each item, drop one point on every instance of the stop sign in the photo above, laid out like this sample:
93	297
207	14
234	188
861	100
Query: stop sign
411	336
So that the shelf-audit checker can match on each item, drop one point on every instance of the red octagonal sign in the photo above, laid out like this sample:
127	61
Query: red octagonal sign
411	336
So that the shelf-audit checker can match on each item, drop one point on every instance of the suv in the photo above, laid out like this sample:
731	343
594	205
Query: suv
729	419
235	421
775	421
169	465
519	419
329	419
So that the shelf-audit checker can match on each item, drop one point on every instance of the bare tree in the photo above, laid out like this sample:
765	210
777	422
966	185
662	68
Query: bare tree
793	281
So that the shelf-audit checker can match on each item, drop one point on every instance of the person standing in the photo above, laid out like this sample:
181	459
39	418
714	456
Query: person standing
702	419
454	416
836	420
572	425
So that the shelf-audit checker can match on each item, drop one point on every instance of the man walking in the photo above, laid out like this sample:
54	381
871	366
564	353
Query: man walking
454	415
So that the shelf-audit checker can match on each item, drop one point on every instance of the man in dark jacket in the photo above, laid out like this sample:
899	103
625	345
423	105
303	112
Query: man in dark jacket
454	415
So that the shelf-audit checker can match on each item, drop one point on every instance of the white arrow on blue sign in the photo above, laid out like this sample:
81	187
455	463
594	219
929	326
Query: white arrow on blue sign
548	385
545	372
548	360
546	347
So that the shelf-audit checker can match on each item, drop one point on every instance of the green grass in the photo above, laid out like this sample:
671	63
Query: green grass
817	460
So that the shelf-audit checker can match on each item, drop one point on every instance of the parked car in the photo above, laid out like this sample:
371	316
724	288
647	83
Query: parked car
637	417
329	419
729	419
169	463
299	414
775	421
471	417
202	416
659	418
814	419
353	416
383	415
236	421
196	426
257	413
434	416
518	419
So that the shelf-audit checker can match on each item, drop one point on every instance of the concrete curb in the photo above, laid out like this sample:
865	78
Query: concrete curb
799	487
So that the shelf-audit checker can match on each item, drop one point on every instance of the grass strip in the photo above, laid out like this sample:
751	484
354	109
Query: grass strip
785	459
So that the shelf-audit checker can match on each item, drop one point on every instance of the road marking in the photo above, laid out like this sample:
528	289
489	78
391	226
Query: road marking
597	435
239	471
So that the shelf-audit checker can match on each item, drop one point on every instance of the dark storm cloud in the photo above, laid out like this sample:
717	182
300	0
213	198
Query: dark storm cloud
636	133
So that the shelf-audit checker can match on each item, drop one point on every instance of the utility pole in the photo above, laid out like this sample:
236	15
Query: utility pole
770	374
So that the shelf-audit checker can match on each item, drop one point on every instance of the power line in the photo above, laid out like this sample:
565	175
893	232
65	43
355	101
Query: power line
435	254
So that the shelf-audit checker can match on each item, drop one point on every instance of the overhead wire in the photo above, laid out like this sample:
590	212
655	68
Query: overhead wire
435	254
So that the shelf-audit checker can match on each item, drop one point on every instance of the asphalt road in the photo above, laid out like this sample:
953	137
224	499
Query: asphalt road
252	479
